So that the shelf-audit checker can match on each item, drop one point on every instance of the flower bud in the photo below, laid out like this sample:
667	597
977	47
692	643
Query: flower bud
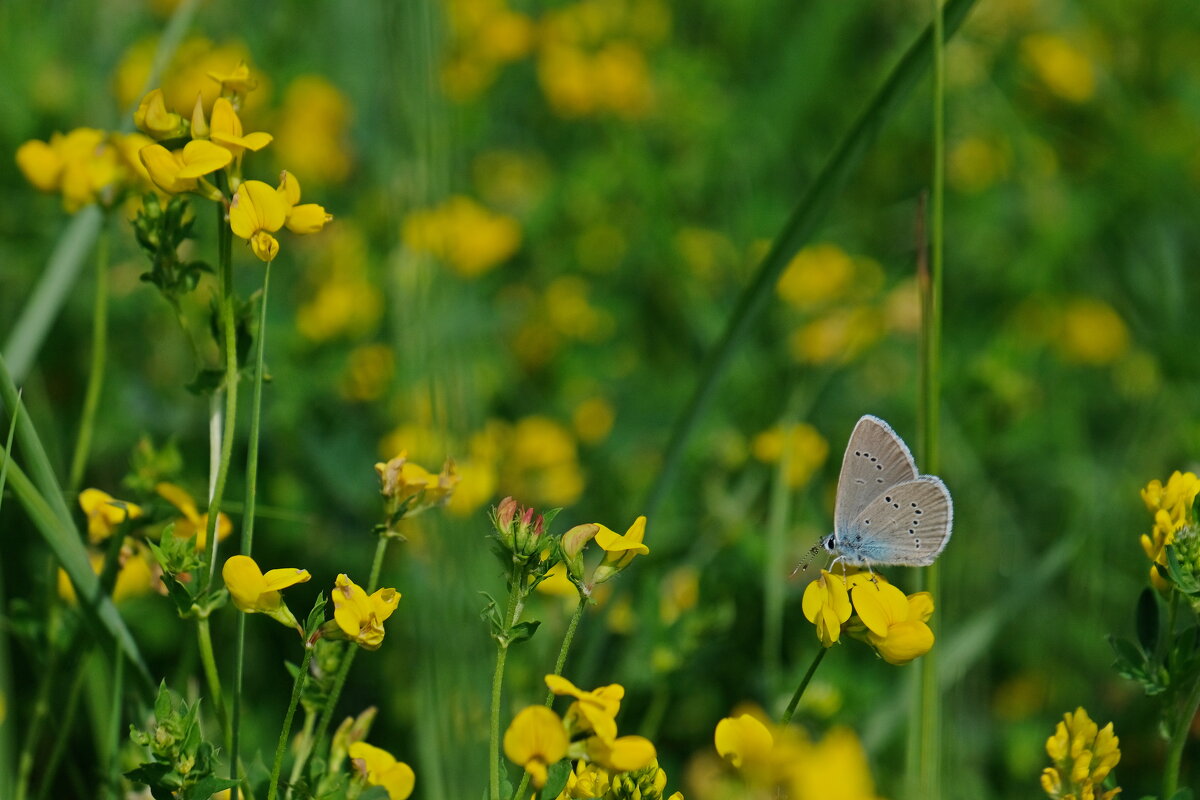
573	542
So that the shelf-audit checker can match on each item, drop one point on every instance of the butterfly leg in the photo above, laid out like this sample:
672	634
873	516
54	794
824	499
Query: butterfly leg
874	580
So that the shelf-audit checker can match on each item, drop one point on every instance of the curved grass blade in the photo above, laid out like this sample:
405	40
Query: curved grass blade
813	208
6	720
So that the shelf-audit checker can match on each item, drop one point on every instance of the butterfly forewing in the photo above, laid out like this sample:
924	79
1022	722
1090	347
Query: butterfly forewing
876	459
909	524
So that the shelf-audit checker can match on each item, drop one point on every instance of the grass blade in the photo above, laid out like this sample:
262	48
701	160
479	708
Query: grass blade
813	208
7	720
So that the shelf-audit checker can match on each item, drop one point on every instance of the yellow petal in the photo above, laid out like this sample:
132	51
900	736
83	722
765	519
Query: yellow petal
256	207
813	600
277	579
920	606
40	165
743	739
625	754
383	603
163	167
178	497
264	245
201	157
879	606
289	188
244	580
256	141
307	218
561	686
535	734
904	642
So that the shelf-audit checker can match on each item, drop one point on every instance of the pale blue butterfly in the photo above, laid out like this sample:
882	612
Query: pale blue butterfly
886	513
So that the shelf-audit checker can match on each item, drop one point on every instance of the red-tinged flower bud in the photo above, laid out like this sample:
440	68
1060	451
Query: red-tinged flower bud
505	512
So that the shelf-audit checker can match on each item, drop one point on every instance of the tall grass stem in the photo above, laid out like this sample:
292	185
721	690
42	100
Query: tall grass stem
229	333
248	516
285	732
91	398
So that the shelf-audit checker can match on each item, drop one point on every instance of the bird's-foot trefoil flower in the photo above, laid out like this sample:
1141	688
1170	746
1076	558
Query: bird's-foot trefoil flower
378	767
619	549
256	592
535	739
105	513
826	604
1083	755
193	522
359	617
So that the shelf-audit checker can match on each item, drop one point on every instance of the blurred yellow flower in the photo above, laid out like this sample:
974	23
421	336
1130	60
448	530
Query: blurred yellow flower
369	372
359	616
570	312
975	163
193	523
135	577
593	419
187	74
85	165
380	768
535	739
462	234
805	447
680	592
513	180
311	132
344	301
837	337
402	481
1083	755
541	464
484	35
826	604
477	486
256	592
1091	332
1064	68
817	276
105	514
237	81
744	742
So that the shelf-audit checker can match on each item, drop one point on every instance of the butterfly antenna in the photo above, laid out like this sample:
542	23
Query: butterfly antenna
803	565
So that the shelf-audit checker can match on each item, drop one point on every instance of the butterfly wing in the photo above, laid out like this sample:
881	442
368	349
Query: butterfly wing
876	459
909	524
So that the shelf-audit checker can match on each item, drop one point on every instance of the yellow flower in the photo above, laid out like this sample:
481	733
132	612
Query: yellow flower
1083	756
193	523
464	235
177	171
256	212
1063	67
1091	332
895	624
534	740
86	165
592	712
806	450
153	118
236	81
401	481
225	129
311	129
745	742
302	219
254	592
134	575
826	603
619	550
40	164
360	617
105	513
837	337
1171	506
621	754
380	768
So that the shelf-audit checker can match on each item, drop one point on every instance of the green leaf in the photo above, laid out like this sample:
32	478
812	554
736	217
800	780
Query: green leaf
206	788
316	617
556	780
1184	581
523	631
1148	620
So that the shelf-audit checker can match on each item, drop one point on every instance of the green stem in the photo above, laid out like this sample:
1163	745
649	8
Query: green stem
204	637
91	398
1178	740
41	711
229	327
339	680
248	517
511	611
50	768
925	780
791	709
113	772
273	788
306	735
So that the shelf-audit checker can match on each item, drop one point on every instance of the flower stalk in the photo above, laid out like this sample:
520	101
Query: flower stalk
229	328
285	732
795	701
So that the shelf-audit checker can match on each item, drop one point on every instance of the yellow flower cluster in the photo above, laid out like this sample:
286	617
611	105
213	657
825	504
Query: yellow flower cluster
484	36
311	132
607	765
410	488
839	296
342	299
462	234
1171	505
535	459
1083	755
803	446
86	166
186	74
1061	65
592	56
781	761
203	144
135	575
893	624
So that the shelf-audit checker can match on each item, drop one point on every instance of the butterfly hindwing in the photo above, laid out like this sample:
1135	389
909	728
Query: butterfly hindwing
909	524
876	459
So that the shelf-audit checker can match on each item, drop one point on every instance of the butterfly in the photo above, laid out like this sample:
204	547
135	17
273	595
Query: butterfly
886	513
